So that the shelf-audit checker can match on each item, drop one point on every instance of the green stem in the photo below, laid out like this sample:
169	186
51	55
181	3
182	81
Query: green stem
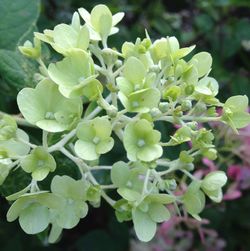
45	139
171	119
100	168
188	174
145	184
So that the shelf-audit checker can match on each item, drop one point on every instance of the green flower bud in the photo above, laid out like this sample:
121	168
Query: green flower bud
186	105
110	56
192	125
189	89
185	157
170	184
172	93
164	107
210	153
155	112
31	51
189	167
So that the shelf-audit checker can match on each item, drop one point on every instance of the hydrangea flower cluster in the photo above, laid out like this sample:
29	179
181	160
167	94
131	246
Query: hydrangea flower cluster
127	94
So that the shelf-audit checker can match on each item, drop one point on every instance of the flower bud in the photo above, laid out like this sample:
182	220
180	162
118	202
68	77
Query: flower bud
164	107
189	89
186	105
173	92
31	51
210	153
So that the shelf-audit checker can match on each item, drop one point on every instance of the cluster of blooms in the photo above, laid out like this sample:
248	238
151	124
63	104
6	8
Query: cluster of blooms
171	236
147	83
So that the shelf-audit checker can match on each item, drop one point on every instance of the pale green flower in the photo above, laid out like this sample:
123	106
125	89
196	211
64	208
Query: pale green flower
141	141
8	127
47	108
72	194
39	163
212	184
100	21
65	38
15	147
75	75
94	138
136	91
32	211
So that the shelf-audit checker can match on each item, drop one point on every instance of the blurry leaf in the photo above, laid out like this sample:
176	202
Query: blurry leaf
17	18
16	70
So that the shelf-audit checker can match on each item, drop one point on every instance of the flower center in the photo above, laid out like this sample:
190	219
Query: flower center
49	115
137	87
141	142
135	104
40	163
81	79
96	140
70	201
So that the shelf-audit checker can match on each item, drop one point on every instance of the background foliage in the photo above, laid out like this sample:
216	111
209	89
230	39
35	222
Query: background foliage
221	27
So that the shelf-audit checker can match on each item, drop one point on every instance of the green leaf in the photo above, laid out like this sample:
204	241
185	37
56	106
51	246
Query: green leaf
34	219
17	18
145	227
16	70
120	173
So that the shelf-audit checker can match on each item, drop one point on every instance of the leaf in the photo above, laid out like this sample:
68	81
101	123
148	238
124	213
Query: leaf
17	18
145	227
16	70
120	174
